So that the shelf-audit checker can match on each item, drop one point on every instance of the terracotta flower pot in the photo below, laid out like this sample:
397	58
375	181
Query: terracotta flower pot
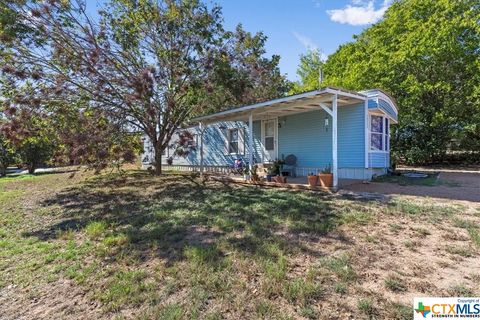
280	179
312	180
326	179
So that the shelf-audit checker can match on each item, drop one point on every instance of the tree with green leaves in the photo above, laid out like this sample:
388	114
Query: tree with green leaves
425	53
309	70
29	133
8	155
150	65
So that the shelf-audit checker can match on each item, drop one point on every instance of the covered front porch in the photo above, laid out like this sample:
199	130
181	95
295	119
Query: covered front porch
288	126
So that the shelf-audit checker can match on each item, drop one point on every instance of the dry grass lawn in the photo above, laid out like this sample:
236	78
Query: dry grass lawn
176	247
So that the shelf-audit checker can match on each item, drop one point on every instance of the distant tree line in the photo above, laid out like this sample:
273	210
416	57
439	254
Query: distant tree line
426	54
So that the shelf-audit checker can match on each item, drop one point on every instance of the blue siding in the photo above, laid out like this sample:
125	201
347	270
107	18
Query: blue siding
214	145
386	107
351	136
379	160
304	135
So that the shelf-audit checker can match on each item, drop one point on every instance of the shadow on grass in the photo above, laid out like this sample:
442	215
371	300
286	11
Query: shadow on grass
164	215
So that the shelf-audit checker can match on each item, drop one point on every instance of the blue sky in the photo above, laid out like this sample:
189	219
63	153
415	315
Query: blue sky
293	26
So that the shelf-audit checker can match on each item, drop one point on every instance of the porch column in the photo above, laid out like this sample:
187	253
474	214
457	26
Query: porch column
334	141
366	134
201	147
250	142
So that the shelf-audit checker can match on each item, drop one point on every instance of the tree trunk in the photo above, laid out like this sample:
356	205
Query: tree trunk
31	168
3	170
158	160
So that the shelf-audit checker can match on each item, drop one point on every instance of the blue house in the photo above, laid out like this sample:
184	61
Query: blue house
348	131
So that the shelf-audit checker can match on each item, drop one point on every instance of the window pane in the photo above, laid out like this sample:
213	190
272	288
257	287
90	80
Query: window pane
376	141
233	135
233	147
233	141
269	143
376	124
269	128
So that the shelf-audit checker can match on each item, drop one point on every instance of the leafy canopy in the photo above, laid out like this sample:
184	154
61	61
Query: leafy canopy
426	53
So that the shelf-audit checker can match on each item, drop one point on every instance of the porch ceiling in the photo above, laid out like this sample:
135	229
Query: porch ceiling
286	106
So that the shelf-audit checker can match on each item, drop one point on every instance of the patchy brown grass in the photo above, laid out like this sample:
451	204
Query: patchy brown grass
178	247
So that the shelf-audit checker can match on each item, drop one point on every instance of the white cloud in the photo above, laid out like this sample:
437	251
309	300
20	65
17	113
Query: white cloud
359	13
307	42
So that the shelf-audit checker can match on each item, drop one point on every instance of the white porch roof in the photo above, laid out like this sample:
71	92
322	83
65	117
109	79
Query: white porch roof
293	104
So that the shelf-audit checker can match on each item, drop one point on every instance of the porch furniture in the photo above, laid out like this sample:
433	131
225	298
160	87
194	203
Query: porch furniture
289	165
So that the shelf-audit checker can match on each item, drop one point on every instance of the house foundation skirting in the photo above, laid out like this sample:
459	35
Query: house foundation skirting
343	173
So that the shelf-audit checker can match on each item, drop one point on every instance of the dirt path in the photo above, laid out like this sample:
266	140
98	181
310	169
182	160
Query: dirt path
463	186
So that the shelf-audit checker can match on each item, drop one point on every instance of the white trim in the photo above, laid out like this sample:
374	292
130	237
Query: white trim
327	109
229	134
387	99
201	127
378	93
327	90
367	135
384	134
275	138
250	141
334	141
379	111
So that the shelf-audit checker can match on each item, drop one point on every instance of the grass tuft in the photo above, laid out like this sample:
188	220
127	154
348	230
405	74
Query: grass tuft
340	266
395	283
366	307
96	229
301	292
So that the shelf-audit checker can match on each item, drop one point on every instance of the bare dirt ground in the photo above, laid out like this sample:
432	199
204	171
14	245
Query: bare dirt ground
461	184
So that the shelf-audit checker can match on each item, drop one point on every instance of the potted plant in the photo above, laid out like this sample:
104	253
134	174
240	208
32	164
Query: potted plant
254	174
270	174
312	179
280	178
326	177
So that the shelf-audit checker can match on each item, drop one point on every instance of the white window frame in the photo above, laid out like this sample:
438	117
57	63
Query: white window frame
385	133
229	141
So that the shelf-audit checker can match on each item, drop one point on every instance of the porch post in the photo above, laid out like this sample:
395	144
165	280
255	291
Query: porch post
366	134
334	141
201	147
250	141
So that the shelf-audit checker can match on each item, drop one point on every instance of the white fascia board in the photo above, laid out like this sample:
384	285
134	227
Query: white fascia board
261	104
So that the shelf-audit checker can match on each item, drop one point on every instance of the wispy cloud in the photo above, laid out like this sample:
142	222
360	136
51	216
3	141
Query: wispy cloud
317	3
305	41
359	13
309	44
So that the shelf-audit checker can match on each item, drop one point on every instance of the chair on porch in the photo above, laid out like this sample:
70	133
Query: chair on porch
290	162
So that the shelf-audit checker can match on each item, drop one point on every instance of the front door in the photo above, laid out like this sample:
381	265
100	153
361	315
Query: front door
269	139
